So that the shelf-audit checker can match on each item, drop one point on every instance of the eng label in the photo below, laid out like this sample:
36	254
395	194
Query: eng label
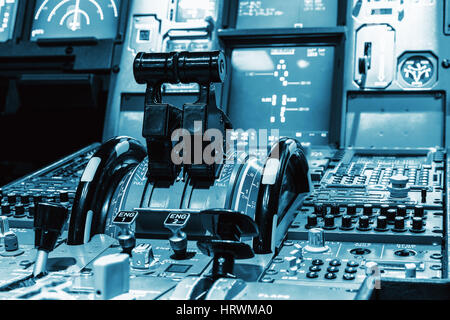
125	217
177	219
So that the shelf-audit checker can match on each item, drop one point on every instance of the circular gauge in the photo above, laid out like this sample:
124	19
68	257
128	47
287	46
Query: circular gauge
61	19
417	71
8	11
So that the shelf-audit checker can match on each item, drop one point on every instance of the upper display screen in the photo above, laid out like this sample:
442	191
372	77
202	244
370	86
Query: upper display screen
8	10
287	89
287	14
195	10
62	19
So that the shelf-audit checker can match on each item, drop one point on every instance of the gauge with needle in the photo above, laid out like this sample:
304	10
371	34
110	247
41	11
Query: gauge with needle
63	19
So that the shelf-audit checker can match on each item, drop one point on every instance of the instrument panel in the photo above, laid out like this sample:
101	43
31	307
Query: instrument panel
8	11
55	19
359	193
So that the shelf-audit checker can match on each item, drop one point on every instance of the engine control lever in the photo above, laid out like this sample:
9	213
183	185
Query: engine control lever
49	221
162	120
127	239
175	222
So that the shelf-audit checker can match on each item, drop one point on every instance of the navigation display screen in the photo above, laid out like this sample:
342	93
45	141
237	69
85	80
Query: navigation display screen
284	88
287	14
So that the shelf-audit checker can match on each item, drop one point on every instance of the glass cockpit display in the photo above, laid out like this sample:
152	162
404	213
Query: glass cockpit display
195	10
286	14
62	19
288	89
8	10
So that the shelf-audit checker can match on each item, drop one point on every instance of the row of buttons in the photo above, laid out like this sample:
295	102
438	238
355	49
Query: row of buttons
365	222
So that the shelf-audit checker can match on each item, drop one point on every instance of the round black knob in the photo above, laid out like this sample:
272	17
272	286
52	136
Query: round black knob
317	262
6	210
399	224
311	221
25	198
368	209
347	222
401	210
417	225
37	198
381	224
391	214
19	211
312	275
364	223
63	196
384	210
315	269
11	242
419	211
335	210
329	222
319	209
12	198
335	263
351	209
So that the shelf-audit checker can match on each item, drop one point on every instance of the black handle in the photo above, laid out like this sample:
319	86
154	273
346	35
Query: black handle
49	221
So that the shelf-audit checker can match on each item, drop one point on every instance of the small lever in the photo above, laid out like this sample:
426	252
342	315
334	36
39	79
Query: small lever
175	222
227	228
49	221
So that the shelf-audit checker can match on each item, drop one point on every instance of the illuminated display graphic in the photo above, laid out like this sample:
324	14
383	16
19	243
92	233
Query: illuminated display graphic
54	19
195	10
287	14
417	71
288	89
8	10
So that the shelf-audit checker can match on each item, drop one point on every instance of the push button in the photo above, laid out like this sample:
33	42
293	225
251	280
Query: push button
330	276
